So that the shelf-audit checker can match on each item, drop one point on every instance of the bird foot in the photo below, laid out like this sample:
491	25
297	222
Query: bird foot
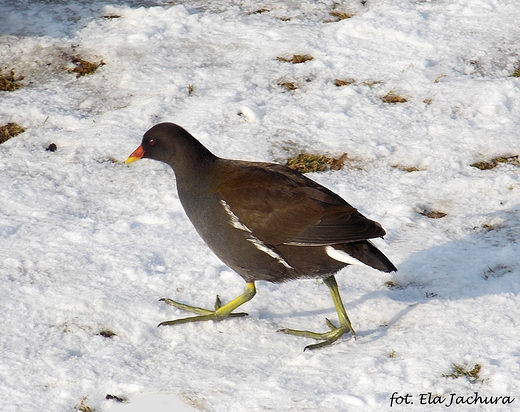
203	314
328	337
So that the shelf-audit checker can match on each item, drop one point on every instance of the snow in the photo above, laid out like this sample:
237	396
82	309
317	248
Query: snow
89	245
158	402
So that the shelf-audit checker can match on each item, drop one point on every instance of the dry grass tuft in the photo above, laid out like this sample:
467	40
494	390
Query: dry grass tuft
83	406
296	59
84	67
491	164
392	97
343	82
473	374
497	271
289	86
106	333
349	81
390	284
339	15
516	73
371	83
489	227
408	169
116	398
9	83
259	11
433	214
307	163
10	130
438	78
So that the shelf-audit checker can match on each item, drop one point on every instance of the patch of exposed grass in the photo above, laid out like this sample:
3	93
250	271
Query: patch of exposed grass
497	271
491	164
392	97
472	374
343	82
289	86
106	333
259	11
433	214
516	73
338	16
307	163
116	398
390	284
9	82
349	81
83	407
193	399
392	354
408	169
484	165
296	58
436	80
489	227
371	83
84	67
10	130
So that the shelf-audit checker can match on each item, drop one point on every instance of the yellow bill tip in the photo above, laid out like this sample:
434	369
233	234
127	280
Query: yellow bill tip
131	159
136	155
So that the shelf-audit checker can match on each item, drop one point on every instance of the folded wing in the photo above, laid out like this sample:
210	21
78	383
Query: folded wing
281	206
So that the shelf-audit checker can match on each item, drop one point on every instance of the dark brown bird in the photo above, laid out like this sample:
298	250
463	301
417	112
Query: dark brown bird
266	222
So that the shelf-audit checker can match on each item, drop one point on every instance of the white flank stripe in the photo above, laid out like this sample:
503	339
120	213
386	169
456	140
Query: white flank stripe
341	256
237	224
266	249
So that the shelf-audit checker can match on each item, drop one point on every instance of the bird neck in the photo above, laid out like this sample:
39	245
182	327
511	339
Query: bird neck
194	173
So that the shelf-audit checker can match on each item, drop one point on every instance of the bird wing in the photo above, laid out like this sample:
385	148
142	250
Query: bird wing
281	206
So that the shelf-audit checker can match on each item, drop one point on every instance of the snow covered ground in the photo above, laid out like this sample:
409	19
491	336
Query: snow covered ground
88	244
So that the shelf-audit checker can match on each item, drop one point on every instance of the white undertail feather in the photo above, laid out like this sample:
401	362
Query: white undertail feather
237	224
342	256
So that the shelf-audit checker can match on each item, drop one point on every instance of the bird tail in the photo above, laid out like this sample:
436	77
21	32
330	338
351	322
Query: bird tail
368	254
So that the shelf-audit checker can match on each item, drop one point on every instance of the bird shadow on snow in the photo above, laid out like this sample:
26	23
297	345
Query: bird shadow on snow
484	262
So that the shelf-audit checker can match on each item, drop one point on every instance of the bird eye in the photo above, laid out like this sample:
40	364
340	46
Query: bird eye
151	142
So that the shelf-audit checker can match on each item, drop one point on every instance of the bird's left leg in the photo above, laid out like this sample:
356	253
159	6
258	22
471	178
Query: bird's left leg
335	332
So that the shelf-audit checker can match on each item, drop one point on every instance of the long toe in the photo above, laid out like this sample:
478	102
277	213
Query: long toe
187	308
328	337
221	311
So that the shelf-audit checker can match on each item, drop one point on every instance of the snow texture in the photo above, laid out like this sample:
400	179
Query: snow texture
89	245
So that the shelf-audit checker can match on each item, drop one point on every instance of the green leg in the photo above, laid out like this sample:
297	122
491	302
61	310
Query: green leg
220	312
335	332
